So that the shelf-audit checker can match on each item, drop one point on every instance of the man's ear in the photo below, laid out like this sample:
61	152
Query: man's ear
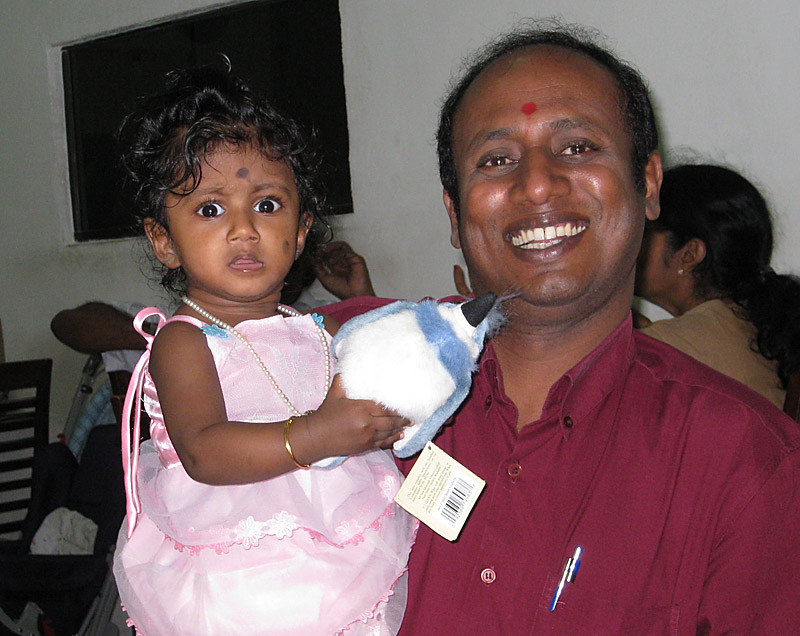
692	254
455	239
162	244
653	175
306	221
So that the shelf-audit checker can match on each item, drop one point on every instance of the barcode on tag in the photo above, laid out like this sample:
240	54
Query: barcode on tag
452	505
440	492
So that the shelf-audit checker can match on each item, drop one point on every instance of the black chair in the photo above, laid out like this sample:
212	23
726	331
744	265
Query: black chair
24	430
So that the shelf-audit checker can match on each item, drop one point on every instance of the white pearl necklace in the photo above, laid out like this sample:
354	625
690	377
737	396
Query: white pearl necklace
287	311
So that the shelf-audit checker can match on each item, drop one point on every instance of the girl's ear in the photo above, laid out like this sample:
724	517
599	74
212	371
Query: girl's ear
306	221
162	244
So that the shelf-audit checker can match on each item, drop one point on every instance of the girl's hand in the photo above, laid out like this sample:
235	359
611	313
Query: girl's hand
342	426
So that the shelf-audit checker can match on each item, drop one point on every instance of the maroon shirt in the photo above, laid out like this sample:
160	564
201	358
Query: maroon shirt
681	485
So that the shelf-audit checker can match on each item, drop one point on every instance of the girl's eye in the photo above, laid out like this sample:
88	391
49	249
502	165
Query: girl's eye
210	210
267	206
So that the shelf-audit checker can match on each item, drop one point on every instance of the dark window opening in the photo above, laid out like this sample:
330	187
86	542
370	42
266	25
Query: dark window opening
289	50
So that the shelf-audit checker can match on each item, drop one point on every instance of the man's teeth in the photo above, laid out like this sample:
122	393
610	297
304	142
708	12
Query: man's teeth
540	238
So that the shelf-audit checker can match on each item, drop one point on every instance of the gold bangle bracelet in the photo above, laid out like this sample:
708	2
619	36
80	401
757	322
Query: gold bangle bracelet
289	446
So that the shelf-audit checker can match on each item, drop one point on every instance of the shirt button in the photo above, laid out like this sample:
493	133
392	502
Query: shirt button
488	402
514	470
488	576
567	422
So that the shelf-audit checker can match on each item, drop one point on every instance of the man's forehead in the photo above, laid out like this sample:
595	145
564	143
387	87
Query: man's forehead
546	64
562	74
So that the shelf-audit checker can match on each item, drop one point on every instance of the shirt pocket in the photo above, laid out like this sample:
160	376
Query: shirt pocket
580	612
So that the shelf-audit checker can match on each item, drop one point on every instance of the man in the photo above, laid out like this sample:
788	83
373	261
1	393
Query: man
679	484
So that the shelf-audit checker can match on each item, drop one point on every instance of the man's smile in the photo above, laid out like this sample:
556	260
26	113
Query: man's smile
539	238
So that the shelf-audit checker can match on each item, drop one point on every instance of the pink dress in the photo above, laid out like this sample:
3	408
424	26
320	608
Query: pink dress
309	552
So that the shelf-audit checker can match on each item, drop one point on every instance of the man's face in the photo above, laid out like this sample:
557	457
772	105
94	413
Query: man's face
549	209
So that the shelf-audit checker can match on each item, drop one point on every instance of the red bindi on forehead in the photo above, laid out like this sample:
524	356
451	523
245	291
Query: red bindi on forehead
528	108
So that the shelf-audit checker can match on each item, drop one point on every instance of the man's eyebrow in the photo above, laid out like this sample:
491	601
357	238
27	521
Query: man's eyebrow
499	133
566	123
491	135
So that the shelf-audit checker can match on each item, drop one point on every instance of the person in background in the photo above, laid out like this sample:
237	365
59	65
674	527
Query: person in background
675	493
706	260
105	330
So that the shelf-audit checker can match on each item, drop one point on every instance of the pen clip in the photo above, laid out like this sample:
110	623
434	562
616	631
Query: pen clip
567	575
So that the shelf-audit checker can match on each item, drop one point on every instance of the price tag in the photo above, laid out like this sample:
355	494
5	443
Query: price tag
440	492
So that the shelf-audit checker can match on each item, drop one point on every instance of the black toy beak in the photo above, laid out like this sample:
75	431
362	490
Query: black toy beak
475	310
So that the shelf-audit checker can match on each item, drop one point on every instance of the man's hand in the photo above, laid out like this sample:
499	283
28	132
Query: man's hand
460	279
341	271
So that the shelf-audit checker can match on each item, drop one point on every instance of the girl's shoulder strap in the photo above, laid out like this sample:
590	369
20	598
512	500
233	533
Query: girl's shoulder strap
132	408
148	312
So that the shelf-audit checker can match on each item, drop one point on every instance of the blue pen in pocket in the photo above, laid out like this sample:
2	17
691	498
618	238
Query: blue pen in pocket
568	575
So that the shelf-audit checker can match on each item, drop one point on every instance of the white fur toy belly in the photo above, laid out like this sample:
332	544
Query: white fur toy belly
415	358
389	371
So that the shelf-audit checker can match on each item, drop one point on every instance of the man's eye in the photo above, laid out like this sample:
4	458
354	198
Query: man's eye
496	161
267	206
577	148
210	210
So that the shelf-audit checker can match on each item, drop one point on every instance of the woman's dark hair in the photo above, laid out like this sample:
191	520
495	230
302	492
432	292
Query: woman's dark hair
169	136
636	109
728	213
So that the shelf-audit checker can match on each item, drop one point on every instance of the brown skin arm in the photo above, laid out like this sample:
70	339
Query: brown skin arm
217	451
95	328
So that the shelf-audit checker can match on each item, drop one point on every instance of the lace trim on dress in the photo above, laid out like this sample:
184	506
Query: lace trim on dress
370	613
282	525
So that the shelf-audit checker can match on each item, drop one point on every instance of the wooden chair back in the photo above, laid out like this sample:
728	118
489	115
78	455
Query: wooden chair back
24	427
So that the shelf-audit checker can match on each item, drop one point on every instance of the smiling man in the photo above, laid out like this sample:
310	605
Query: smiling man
675	486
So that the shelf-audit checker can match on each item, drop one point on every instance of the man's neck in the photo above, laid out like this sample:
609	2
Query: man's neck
533	357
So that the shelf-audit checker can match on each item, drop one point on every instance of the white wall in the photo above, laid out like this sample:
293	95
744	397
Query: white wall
724	76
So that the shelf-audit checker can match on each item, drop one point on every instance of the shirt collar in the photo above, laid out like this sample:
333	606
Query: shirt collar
578	391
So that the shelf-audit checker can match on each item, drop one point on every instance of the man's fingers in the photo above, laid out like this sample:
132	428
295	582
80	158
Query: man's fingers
460	280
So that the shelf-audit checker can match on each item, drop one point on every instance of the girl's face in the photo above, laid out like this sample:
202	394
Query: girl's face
238	233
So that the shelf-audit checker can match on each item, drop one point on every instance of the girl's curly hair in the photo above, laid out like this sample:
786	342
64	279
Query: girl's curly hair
167	139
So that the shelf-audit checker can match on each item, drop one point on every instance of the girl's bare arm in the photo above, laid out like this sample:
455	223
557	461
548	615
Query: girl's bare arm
217	451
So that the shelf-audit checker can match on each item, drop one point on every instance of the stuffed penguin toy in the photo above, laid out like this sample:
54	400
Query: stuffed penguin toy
416	359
